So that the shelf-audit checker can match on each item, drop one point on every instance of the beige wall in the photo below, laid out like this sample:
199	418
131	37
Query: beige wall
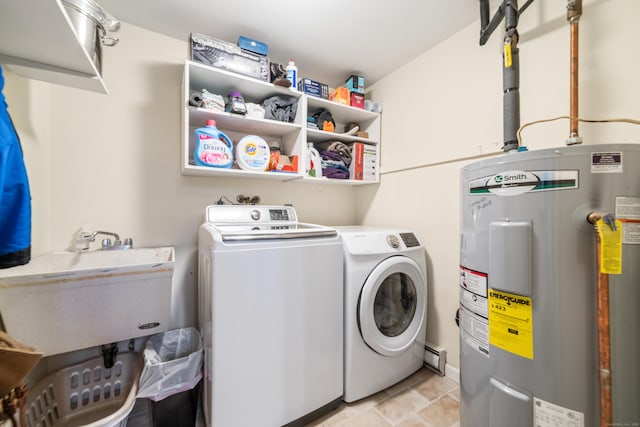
444	109
111	162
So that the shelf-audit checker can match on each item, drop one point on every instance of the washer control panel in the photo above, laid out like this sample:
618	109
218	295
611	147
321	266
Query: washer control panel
410	240
365	240
279	214
249	214
393	241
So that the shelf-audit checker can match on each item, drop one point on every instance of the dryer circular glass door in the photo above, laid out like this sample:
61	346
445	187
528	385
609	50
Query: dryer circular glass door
392	305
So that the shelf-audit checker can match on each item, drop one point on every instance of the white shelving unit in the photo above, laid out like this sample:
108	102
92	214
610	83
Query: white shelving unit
293	136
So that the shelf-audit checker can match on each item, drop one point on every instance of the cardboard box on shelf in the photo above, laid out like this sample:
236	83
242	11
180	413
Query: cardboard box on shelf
254	46
370	154
313	88
357	100
228	56
340	95
357	156
363	162
288	164
355	84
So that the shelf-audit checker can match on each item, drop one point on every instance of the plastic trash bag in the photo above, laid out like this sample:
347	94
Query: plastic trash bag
172	364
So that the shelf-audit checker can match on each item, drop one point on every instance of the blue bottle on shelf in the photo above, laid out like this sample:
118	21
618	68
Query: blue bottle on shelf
213	148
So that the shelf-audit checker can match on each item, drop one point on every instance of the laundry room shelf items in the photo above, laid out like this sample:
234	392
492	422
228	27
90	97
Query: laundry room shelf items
291	136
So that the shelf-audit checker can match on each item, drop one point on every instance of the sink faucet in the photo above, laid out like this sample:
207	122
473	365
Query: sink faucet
92	237
82	243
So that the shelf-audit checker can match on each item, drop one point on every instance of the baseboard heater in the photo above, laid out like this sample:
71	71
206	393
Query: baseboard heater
435	358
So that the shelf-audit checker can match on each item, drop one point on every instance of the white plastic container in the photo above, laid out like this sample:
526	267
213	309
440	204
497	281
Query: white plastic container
252	153
292	74
314	162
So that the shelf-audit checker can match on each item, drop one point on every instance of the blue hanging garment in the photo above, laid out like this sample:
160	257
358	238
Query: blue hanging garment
15	198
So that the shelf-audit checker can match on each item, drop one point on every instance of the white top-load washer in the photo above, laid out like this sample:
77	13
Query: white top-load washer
270	313
385	308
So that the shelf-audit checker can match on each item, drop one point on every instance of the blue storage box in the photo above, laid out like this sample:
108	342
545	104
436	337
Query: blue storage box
252	45
313	88
355	84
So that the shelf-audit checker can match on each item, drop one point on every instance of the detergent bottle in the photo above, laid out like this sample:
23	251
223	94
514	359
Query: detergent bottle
314	162
213	148
292	74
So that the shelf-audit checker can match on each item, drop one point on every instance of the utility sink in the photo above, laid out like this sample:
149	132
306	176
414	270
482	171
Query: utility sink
65	301
97	262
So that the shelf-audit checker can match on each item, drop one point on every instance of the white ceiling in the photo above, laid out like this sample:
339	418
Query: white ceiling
328	40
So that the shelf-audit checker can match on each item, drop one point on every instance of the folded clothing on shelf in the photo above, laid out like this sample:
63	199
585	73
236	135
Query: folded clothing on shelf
280	107
337	147
333	165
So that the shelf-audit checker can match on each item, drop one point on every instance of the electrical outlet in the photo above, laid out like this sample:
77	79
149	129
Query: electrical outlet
253	200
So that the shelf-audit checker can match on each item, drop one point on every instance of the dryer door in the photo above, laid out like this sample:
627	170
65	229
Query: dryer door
392	305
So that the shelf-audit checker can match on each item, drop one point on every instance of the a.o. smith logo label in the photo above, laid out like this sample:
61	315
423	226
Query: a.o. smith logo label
515	182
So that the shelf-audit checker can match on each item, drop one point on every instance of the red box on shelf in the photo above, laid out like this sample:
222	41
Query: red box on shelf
357	100
356	168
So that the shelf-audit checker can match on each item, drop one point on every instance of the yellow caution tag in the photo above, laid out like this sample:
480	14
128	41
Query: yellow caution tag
610	247
511	323
508	60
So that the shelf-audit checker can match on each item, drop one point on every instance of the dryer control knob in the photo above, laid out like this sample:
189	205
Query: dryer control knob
255	214
393	241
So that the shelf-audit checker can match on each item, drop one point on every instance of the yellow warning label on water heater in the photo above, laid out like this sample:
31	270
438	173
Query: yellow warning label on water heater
511	323
610	246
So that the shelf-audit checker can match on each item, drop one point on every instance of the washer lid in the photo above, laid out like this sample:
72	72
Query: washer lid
392	305
261	222
245	232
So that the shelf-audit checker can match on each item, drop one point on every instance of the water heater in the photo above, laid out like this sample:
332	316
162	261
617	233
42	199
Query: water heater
528	287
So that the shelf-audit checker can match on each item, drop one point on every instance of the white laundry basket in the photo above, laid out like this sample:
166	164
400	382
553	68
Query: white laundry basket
86	394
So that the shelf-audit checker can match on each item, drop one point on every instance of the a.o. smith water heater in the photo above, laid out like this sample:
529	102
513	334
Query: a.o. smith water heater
528	279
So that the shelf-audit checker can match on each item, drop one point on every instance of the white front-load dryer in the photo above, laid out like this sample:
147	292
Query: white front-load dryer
385	308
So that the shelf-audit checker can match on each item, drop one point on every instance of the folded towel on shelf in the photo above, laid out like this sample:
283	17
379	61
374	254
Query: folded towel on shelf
333	166
334	173
338	147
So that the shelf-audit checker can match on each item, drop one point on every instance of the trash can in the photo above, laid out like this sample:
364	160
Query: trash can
170	377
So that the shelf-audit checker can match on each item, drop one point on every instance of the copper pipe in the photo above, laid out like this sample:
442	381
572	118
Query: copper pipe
604	344
604	337
574	78
593	217
574	12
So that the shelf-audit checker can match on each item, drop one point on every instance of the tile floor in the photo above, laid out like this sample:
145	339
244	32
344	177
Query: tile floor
423	399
